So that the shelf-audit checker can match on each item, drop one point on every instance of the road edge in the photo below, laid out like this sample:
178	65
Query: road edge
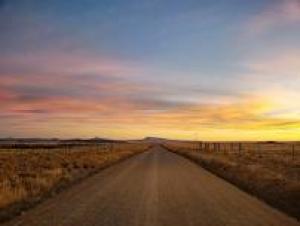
18	209
233	179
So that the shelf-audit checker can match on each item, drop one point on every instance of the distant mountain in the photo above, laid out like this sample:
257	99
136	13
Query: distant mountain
155	140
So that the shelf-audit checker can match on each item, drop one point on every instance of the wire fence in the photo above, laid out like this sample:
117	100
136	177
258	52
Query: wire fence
71	147
290	150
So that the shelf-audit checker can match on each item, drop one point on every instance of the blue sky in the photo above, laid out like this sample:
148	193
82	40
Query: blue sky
158	62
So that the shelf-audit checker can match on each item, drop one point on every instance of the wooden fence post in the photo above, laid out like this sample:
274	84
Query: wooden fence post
112	147
258	149
293	152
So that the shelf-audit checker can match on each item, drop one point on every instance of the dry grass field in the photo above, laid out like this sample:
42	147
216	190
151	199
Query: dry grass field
269	170
29	175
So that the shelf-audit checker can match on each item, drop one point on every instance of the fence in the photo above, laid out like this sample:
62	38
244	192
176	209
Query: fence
289	150
71	147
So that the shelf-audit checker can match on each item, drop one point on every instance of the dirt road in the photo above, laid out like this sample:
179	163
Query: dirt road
156	188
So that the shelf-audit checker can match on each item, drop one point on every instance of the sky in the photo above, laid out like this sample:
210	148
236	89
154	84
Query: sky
193	69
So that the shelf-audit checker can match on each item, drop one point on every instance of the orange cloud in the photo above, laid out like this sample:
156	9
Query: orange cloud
228	121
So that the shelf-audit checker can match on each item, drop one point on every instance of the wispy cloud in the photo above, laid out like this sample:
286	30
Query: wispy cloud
279	13
284	65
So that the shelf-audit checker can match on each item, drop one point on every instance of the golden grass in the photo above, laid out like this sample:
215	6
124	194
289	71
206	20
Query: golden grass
272	176
26	176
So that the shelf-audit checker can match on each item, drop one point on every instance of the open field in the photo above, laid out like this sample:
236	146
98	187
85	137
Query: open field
31	174
154	188
270	170
166	188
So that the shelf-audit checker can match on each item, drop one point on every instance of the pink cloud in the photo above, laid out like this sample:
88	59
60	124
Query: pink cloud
279	14
282	65
57	75
5	95
57	63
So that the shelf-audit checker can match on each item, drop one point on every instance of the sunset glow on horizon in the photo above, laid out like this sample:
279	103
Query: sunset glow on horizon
195	69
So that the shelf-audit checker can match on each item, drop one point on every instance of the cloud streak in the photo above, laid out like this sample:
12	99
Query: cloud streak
281	13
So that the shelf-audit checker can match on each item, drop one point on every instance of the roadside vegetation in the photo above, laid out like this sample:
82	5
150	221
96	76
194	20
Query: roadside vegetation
27	176
270	171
